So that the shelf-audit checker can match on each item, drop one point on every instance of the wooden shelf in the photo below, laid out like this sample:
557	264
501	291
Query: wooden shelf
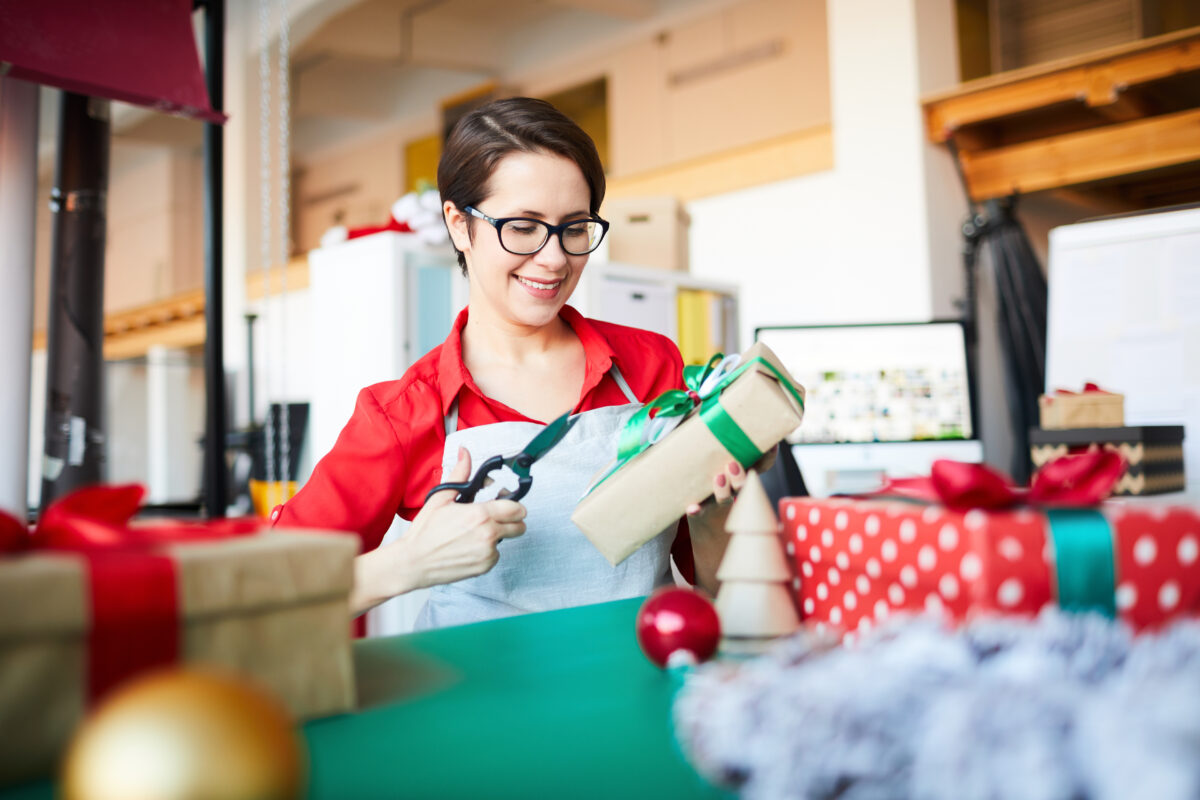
178	321
1118	120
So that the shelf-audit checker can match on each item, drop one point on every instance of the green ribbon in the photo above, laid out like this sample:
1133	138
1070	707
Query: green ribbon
634	438
1084	560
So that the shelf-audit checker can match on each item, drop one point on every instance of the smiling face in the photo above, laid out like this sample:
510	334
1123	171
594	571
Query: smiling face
513	290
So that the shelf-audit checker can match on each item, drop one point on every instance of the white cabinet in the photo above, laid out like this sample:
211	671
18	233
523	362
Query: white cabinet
378	304
650	298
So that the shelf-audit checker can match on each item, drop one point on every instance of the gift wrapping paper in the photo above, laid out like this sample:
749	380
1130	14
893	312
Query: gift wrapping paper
860	561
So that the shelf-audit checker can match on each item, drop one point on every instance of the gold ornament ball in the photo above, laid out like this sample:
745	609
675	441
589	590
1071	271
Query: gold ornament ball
186	735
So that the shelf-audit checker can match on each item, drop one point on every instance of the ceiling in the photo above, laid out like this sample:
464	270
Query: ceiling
387	60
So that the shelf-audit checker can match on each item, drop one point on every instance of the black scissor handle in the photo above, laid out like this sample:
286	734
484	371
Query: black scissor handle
468	490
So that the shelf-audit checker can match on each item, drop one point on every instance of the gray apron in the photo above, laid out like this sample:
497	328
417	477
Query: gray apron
552	565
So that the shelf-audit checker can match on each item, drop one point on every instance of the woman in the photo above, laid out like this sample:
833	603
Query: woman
521	186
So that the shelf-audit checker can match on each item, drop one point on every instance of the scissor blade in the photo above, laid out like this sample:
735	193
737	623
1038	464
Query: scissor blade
549	436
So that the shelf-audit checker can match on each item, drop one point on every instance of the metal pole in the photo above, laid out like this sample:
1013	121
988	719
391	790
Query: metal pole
18	203
75	440
216	478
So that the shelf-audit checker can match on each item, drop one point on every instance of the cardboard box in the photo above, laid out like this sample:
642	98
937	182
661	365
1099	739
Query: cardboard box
652	491
647	231
1088	409
860	561
271	606
1153	453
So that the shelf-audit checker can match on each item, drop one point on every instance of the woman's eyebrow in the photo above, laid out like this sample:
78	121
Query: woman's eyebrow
528	212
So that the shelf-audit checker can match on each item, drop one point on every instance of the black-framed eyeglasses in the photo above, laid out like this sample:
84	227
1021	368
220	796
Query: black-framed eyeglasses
523	236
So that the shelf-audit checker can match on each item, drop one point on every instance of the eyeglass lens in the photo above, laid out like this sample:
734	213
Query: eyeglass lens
523	237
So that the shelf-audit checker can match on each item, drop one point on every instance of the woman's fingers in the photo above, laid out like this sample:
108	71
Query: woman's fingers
504	510
737	476
460	474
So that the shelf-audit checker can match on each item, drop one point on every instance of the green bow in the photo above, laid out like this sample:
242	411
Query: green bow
638	435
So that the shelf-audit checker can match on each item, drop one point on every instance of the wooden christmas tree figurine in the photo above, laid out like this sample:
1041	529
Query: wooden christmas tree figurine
754	601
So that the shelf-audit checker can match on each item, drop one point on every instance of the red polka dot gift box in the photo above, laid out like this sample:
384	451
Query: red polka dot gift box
963	542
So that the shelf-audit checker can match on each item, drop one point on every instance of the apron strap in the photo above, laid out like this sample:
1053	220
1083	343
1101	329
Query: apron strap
620	379
451	418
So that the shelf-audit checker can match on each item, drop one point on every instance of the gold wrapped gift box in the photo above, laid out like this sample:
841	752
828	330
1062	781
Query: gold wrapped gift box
272	607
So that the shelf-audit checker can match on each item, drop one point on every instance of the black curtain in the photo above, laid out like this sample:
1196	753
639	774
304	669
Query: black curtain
1020	314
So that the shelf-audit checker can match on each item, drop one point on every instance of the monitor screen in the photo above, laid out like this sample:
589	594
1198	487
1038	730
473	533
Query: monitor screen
878	383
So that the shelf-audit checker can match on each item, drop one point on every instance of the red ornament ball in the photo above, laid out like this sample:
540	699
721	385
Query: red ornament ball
680	621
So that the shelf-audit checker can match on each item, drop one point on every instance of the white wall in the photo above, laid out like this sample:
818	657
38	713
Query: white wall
876	238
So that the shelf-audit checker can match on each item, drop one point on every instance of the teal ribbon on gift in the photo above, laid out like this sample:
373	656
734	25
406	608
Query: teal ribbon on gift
1084	560
635	439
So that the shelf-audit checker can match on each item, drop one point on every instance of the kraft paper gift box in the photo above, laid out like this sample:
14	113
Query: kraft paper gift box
1091	408
758	398
271	606
860	561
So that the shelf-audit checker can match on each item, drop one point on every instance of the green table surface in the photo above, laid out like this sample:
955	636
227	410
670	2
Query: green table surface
559	704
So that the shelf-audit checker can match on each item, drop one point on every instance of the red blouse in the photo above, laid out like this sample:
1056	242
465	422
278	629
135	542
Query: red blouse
389	455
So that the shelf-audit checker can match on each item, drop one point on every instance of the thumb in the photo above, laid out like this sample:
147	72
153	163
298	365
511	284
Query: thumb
461	473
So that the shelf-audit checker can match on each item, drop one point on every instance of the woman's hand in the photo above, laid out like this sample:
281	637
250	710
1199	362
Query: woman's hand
706	521
447	542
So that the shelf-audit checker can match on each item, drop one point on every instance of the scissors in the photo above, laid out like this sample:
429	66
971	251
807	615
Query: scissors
520	464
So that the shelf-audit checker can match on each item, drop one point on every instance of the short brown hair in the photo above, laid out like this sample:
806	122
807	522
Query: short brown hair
489	133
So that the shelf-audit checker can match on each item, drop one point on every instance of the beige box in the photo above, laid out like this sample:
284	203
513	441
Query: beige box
652	491
273	607
1085	410
647	231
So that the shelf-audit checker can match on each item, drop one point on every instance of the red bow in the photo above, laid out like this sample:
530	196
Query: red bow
1073	480
134	617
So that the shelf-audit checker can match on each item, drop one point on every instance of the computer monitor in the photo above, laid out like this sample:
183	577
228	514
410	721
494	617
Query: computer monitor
882	399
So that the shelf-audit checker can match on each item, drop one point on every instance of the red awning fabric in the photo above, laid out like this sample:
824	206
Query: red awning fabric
137	51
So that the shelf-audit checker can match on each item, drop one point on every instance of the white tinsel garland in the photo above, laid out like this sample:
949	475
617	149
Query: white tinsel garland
1065	707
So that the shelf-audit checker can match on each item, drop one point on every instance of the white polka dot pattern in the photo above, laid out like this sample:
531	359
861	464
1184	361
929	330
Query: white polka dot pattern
791	549
814	554
896	595
809	605
843	560
862	584
934	604
872	525
807	569
908	531
873	567
834	576
802	532
1126	596
827	538
1010	593
970	567
1145	550
1168	596
975	520
1187	550
814	515
882	609
841	520
1010	548
855	543
791	512
850	600
927	558
948	586
822	591
835	615
908	576
888	550
948	537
